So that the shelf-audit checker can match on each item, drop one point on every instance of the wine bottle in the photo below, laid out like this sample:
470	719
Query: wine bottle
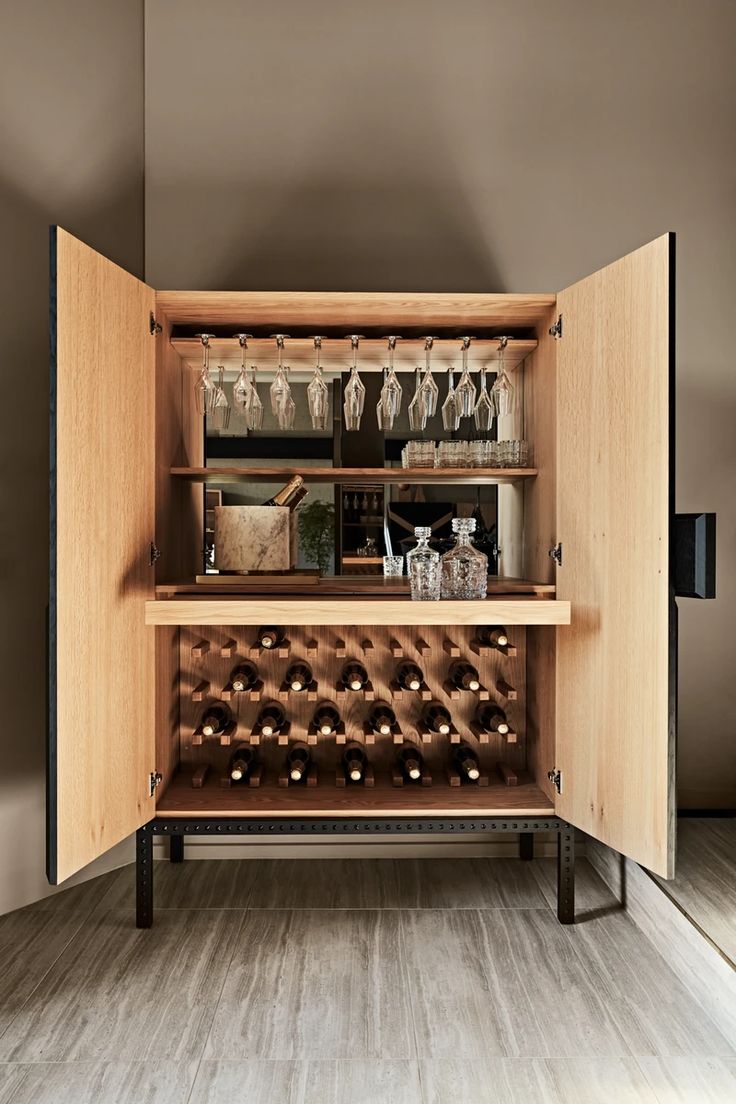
242	761
466	763
244	676
215	719
298	759
436	718
491	718
271	718
326	718
409	760
354	675
409	676
464	675
494	636
271	636
382	718
299	675
290	494
353	762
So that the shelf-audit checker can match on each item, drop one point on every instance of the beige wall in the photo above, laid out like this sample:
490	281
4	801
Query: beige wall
490	145
71	135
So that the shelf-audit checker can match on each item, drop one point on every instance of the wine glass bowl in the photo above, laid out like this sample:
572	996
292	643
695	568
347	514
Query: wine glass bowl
354	394
205	388
317	392
466	389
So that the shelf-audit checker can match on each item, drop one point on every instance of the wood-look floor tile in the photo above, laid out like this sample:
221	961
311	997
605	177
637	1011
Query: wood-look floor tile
79	898
484	1081
315	984
325	883
118	993
96	1082
653	1010
591	892
596	1081
199	884
468	883
374	1082
691	1080
501	983
251	1082
30	943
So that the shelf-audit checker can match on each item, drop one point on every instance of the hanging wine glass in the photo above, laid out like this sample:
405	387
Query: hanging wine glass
502	393
451	405
483	413
354	394
466	389
391	392
254	408
418	404
220	416
381	418
205	388
241	387
282	403
429	387
317	392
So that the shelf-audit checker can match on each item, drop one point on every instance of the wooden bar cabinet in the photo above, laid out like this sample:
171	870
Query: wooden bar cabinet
133	651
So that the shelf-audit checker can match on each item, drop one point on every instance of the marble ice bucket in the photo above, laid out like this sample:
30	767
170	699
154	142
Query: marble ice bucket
255	538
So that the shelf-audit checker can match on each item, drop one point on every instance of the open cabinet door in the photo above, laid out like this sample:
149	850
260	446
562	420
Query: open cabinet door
101	656
616	661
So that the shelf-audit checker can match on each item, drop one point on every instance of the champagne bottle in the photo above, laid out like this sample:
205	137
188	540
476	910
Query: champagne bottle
409	676
290	494
244	676
216	718
466	763
299	675
271	636
493	635
353	762
409	760
382	718
298	759
464	675
436	718
491	718
354	675
271	718
242	761
326	718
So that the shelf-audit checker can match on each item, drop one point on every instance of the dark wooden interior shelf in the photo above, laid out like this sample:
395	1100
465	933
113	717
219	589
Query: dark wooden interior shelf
356	476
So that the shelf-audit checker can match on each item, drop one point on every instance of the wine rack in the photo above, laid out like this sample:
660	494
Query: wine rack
206	663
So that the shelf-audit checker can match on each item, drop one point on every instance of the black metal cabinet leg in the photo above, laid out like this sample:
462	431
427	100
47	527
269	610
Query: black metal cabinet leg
526	846
144	877
176	848
566	874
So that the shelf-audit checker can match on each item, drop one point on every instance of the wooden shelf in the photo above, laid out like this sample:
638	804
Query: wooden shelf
332	585
301	610
269	799
356	476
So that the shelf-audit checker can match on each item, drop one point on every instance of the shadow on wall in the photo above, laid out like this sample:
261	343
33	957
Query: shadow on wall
24	274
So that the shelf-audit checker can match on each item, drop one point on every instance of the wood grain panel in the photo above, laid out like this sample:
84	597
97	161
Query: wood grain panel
355	476
379	611
614	731
248	310
102	523
540	429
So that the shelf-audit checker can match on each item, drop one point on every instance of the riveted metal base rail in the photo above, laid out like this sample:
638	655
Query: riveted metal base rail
176	828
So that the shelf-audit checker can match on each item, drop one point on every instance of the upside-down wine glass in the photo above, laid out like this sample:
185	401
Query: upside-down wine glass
282	404
418	405
391	392
451	405
245	391
220	417
429	387
354	395
317	392
205	388
483	413
465	389
502	393
241	387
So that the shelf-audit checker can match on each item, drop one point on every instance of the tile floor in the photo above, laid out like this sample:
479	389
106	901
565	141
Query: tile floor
347	982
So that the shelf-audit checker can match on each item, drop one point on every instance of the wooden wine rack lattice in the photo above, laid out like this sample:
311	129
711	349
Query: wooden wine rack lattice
207	658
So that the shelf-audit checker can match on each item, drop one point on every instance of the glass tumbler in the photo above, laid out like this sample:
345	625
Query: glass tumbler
452	454
480	454
464	568
423	568
393	566
420	454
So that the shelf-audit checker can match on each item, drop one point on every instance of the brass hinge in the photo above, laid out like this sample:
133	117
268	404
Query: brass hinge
154	327
556	330
555	778
154	779
556	554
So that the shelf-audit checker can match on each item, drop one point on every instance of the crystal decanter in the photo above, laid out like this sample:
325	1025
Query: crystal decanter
464	568
423	568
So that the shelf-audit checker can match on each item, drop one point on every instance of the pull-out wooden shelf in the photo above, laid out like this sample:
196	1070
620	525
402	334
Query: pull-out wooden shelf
262	610
181	799
356	476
